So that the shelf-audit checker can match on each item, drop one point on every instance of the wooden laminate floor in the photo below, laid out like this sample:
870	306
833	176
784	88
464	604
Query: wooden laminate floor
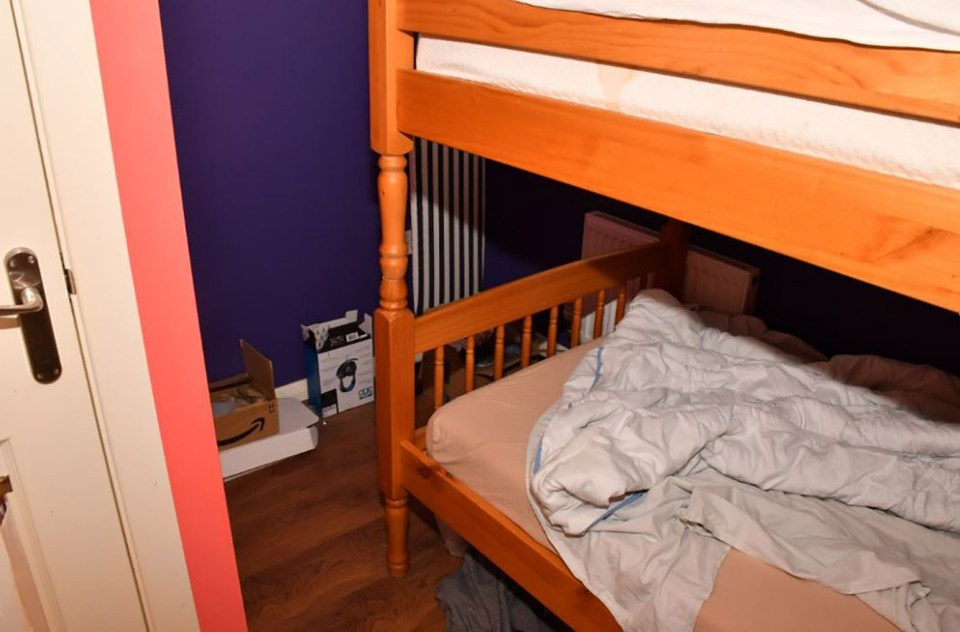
311	545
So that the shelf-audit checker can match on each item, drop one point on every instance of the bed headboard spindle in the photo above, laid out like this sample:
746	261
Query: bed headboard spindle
552	331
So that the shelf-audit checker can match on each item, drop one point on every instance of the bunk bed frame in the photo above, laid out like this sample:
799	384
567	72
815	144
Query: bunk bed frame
895	233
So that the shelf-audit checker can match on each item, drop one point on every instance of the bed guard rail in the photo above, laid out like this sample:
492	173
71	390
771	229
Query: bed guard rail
493	309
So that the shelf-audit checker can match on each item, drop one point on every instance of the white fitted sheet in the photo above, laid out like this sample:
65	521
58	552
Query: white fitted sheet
908	148
931	24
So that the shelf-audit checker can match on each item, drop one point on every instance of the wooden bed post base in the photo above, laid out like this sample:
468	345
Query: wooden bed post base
393	345
398	519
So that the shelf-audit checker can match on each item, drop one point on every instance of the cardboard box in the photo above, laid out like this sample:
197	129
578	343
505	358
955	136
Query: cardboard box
340	367
298	434
245	406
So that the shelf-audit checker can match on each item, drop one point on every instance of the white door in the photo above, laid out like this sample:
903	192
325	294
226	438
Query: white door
75	571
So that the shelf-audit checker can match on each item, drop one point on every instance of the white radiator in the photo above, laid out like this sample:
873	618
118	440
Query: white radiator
713	281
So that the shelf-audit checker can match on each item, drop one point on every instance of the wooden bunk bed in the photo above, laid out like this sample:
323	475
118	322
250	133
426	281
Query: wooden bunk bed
899	234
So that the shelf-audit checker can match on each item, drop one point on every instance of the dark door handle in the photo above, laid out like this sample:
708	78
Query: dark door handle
23	272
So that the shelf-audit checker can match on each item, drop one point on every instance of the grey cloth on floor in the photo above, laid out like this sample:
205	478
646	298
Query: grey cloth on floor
478	597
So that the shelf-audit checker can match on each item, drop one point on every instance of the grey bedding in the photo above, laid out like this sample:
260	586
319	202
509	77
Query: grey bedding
674	442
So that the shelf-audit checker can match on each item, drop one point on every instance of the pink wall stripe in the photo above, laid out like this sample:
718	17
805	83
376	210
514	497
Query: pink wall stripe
132	65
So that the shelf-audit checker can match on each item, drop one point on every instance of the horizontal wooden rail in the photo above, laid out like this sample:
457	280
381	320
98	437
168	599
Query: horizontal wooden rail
899	234
906	81
533	294
540	571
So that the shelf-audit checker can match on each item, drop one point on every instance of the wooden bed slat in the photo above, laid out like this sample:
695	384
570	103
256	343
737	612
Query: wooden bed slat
552	331
515	300
498	353
891	232
438	377
621	303
598	314
575	326
906	81
526	341
540	571
471	364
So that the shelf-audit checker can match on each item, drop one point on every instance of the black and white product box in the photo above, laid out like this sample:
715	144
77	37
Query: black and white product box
340	365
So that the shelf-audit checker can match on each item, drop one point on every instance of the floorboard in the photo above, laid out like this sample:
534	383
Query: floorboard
311	546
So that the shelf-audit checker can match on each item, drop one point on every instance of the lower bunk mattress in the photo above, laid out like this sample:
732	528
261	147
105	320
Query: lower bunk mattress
481	438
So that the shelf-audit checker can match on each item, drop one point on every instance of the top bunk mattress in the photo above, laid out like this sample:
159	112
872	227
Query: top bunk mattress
898	146
929	24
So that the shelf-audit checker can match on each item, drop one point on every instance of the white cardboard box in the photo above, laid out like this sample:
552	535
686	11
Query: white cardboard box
340	367
298	434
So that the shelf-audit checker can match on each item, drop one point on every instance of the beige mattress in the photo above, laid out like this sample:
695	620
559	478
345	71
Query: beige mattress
481	438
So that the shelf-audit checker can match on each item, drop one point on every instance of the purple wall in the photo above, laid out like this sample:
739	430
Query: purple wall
534	223
270	112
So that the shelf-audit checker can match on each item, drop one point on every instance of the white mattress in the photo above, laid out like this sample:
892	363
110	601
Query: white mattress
908	148
931	24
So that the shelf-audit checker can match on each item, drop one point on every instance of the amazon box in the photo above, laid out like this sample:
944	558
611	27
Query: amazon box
245	406
340	367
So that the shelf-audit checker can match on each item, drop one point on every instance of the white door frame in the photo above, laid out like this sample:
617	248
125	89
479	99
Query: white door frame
63	72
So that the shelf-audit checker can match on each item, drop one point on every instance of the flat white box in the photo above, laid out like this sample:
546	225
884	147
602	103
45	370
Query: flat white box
298	434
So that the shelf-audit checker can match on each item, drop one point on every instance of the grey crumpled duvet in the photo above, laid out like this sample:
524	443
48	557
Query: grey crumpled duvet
674	441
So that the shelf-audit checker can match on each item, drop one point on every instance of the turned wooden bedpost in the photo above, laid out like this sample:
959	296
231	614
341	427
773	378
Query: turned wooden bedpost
391	50
393	347
675	236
